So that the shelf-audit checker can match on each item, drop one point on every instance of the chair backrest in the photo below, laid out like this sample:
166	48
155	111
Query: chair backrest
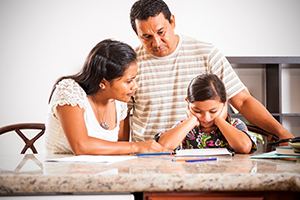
270	136
28	142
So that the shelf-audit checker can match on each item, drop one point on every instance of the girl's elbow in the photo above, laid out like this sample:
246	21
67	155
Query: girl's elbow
167	144
246	148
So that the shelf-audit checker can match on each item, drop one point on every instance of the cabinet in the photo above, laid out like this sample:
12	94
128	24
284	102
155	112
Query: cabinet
279	86
208	195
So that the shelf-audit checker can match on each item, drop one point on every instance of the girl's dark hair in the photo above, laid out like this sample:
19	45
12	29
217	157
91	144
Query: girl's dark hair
108	59
143	9
206	87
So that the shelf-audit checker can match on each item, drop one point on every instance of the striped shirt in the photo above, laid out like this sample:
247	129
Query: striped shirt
159	102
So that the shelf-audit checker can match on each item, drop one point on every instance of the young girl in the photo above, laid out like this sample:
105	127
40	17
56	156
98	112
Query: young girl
87	110
208	124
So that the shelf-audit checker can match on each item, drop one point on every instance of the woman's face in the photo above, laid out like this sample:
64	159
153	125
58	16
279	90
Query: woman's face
206	111
122	88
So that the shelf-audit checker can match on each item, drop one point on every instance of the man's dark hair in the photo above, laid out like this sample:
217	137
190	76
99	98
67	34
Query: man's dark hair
143	9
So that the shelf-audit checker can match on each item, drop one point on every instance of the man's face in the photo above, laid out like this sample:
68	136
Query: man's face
157	35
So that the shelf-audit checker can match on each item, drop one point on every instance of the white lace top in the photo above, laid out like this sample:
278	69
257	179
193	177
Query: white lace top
69	92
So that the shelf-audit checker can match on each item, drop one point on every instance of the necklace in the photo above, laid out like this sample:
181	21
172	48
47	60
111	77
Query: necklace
102	124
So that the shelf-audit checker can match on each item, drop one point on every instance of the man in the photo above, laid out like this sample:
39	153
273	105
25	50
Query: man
166	64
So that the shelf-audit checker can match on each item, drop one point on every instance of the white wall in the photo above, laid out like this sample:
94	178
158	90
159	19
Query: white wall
43	40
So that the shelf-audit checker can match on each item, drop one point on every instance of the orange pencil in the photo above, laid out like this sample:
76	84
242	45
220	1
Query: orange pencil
185	159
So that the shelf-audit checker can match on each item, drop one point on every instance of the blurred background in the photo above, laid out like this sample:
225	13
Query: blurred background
44	40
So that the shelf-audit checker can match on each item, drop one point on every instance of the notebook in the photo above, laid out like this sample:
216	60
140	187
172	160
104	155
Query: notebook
203	152
286	150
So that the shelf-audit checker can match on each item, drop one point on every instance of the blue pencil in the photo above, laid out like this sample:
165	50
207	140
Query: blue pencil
153	154
199	160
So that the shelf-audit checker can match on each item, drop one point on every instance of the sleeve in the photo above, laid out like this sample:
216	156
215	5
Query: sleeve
157	135
123	110
240	125
219	65
67	92
130	104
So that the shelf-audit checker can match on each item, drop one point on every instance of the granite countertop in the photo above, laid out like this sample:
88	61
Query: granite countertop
28	174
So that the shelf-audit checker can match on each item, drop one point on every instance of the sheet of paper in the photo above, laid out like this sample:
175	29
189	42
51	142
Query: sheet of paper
93	159
272	154
203	152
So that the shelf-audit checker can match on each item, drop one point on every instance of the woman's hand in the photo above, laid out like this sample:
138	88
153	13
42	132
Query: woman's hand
223	114
151	146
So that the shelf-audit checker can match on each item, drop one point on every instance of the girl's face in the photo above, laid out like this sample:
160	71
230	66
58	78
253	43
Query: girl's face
122	88
206	111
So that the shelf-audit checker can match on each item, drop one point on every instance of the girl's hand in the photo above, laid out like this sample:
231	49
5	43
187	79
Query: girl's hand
190	114
223	114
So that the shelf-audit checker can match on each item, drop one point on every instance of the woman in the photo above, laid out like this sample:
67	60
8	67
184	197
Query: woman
86	110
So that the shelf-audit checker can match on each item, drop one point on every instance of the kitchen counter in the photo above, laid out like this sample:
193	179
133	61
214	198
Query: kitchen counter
31	174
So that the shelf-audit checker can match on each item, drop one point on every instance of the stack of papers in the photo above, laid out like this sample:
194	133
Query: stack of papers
286	150
272	154
203	152
93	159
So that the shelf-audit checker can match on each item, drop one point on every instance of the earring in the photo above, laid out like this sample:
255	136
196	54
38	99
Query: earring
102	87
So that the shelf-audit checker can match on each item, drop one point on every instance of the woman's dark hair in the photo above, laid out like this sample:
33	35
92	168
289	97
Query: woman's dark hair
143	9
206	87
108	59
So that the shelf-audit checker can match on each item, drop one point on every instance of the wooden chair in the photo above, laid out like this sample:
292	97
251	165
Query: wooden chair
22	126
270	136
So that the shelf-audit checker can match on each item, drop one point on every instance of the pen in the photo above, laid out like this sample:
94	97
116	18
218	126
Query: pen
201	159
157	157
184	159
153	154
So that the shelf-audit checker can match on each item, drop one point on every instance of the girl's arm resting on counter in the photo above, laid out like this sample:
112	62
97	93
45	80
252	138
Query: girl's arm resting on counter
173	137
237	139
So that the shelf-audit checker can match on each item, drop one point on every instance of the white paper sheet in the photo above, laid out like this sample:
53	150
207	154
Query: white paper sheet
203	152
93	159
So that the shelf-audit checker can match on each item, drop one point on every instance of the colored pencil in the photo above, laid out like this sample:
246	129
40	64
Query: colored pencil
201	159
153	154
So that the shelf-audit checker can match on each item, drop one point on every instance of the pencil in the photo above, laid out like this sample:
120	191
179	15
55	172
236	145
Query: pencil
201	159
184	159
153	154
